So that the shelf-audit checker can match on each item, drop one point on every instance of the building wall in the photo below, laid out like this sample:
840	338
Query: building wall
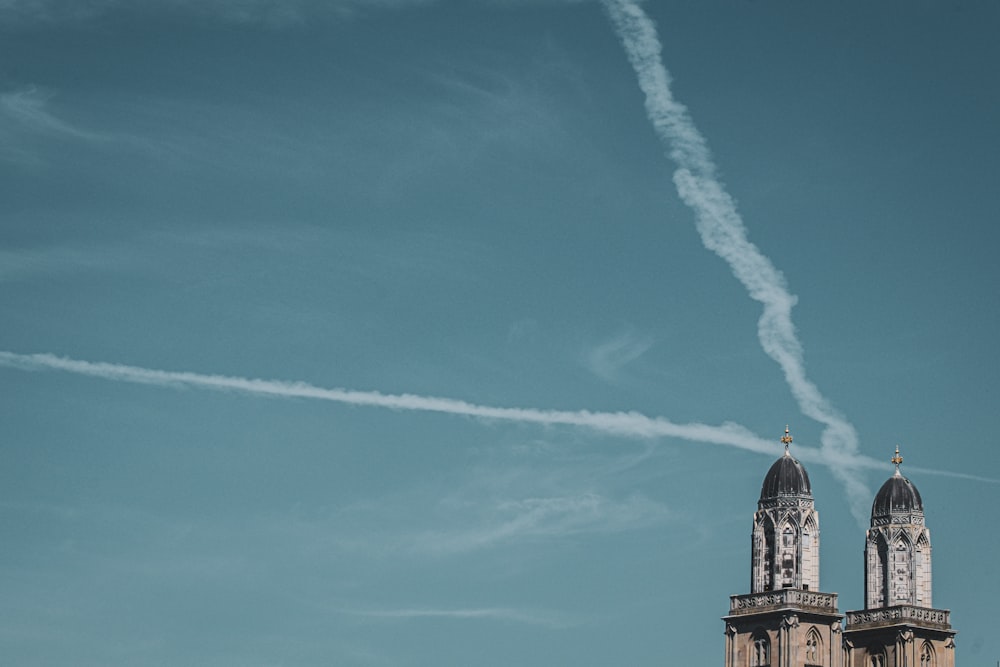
791	639
900	647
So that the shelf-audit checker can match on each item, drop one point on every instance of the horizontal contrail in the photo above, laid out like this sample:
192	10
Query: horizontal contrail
723	232
547	619
630	424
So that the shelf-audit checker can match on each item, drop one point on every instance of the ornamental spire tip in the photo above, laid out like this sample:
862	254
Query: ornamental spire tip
897	459
786	440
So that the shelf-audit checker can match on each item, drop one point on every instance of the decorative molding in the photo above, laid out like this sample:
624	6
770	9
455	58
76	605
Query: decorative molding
788	597
803	502
906	518
888	615
790	621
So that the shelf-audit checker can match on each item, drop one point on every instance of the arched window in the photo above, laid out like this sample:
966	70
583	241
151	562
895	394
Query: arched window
814	647
884	576
810	554
876	657
927	655
922	571
901	576
760	650
768	563
787	562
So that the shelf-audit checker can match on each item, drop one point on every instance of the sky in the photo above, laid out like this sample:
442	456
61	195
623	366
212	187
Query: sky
415	332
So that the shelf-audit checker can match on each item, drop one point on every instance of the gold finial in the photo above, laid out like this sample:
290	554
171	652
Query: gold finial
786	439
897	459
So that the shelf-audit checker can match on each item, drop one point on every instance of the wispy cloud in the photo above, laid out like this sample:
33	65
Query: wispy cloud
624	424
28	109
32	262
276	13
544	518
607	359
531	617
723	232
268	12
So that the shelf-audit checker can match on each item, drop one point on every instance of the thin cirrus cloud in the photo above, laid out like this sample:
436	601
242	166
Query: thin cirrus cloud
27	110
543	518
608	359
268	12
723	232
549	619
272	13
60	260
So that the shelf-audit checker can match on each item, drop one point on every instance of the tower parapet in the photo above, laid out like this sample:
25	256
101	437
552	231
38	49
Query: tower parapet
898	626
784	621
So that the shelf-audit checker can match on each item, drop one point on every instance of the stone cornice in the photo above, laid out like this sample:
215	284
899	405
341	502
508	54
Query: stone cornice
787	598
924	617
800	501
899	518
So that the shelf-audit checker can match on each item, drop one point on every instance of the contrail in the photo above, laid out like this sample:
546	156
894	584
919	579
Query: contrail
624	424
723	232
547	619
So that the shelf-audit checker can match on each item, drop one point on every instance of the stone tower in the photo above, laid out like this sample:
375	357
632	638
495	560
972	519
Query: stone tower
898	627
785	621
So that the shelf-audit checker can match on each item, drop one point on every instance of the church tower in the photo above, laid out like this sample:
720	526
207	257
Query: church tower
785	621
898	627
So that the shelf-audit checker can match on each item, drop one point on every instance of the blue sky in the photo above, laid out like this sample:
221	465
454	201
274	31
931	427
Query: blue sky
514	402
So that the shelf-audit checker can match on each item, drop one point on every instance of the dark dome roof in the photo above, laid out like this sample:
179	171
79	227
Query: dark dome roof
786	477
898	494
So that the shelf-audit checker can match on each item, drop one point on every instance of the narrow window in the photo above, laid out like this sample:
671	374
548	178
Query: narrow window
787	558
760	652
926	655
769	559
813	644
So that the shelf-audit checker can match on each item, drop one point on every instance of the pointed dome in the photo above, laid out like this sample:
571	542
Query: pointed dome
787	477
897	496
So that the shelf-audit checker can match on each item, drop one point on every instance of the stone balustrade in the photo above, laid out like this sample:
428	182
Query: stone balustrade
921	616
784	598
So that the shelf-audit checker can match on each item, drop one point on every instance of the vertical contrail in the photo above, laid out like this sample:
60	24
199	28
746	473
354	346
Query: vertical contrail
723	232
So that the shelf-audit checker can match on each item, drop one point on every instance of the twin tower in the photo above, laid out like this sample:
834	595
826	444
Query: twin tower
786	621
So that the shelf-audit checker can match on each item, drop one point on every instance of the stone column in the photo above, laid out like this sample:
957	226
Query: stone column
837	648
788	641
731	651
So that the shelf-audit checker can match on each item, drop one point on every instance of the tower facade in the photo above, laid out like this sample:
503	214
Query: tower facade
785	542
784	621
898	627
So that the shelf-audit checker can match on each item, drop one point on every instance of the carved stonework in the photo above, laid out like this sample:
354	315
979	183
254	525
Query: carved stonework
801	503
786	622
789	597
922	616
